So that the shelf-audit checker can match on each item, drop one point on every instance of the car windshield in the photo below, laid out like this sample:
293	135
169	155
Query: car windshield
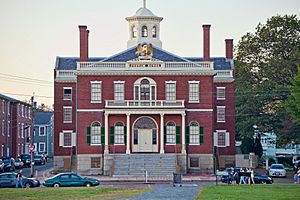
26	157
277	167
6	160
38	156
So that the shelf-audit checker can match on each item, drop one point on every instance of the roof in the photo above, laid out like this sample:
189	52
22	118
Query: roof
10	99
42	117
144	12
69	63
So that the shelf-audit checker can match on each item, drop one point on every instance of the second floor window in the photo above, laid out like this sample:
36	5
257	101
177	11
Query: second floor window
194	91
42	131
67	93
67	114
220	93
220	113
119	91
171	91
96	88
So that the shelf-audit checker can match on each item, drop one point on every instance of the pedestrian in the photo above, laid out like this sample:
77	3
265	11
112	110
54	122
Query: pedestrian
242	179
251	176
296	177
19	180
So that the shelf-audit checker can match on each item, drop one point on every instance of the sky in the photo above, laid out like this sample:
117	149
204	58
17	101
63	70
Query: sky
34	32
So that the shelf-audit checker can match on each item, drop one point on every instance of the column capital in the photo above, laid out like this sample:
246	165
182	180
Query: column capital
106	114
183	114
128	114
162	114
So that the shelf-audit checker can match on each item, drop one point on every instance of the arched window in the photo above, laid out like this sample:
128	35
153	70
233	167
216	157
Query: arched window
96	133
194	133
145	89
144	31
171	133
119	133
154	32
134	32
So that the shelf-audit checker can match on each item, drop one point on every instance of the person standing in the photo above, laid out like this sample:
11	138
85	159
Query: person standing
251	176
19	179
242	177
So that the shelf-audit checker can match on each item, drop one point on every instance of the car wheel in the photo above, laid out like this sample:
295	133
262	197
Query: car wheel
263	182
28	185
88	184
56	185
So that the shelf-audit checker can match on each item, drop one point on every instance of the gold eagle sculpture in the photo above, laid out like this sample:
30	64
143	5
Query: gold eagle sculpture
144	51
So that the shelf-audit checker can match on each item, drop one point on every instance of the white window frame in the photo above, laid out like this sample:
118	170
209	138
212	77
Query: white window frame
22	130
3	126
216	138
98	100
221	93
170	134
221	116
8	129
40	146
170	92
196	135
120	92
22	110
67	96
191	96
61	139
8	108
119	134
96	136
29	112
40	127
65	120
2	152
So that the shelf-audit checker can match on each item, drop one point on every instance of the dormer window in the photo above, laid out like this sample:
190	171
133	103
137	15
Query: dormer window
144	31
134	32
154	32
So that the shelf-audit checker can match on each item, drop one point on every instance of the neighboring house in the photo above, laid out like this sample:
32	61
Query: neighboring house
268	142
15	126
143	102
43	133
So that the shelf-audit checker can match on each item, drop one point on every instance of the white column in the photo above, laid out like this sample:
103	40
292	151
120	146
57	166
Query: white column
183	150
128	135
106	151
162	151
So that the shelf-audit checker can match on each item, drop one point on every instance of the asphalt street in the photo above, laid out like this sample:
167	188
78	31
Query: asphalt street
38	169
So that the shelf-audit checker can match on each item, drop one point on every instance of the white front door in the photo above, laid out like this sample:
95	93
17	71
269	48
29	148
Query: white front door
145	140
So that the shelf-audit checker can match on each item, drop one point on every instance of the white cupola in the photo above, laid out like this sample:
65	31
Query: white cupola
144	27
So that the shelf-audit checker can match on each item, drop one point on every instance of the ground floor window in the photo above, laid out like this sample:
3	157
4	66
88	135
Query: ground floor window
194	162
194	133
95	162
171	133
119	133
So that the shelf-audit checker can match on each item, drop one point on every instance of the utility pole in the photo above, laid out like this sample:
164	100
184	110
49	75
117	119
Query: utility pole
31	139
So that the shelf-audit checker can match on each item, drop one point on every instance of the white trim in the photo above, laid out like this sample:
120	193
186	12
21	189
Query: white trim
170	82
90	110
67	88
223	98
200	110
194	81
40	146
44	130
62	138
119	81
96	101
221	107
95	81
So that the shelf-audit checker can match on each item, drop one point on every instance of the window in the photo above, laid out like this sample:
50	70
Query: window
22	110
145	89
42	131
194	91
18	130
95	162
29	113
22	130
194	162
221	138
144	31
154	32
8	108
119	133
42	147
96	88
171	133
119	90
67	139
3	127
67	93
220	93
134	32
170	90
8	128
194	133
67	114
220	113
3	106
96	133
25	111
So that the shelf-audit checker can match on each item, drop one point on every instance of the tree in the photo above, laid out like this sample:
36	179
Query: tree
265	65
258	149
247	145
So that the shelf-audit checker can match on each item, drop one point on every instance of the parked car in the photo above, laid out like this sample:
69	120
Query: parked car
229	172
9	164
277	170
70	180
258	179
25	159
9	180
1	166
39	160
18	163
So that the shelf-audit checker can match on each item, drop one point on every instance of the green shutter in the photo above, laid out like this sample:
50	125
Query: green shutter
187	134
88	135
112	135
102	135
178	134
201	135
165	134
125	134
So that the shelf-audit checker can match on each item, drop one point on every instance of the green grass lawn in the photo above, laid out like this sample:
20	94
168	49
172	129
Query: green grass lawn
103	193
240	192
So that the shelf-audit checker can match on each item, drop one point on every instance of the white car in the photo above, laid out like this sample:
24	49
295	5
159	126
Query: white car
277	170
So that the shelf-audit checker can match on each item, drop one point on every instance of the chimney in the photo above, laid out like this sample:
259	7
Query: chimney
84	43
229	48
206	42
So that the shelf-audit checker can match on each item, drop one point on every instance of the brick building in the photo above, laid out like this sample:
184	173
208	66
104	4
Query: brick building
15	126
144	105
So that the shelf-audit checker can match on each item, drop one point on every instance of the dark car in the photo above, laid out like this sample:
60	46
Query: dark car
39	160
9	180
1	166
9	164
231	171
25	158
18	163
258	179
70	180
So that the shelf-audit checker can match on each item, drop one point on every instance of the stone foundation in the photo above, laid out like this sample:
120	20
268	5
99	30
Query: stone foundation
200	163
